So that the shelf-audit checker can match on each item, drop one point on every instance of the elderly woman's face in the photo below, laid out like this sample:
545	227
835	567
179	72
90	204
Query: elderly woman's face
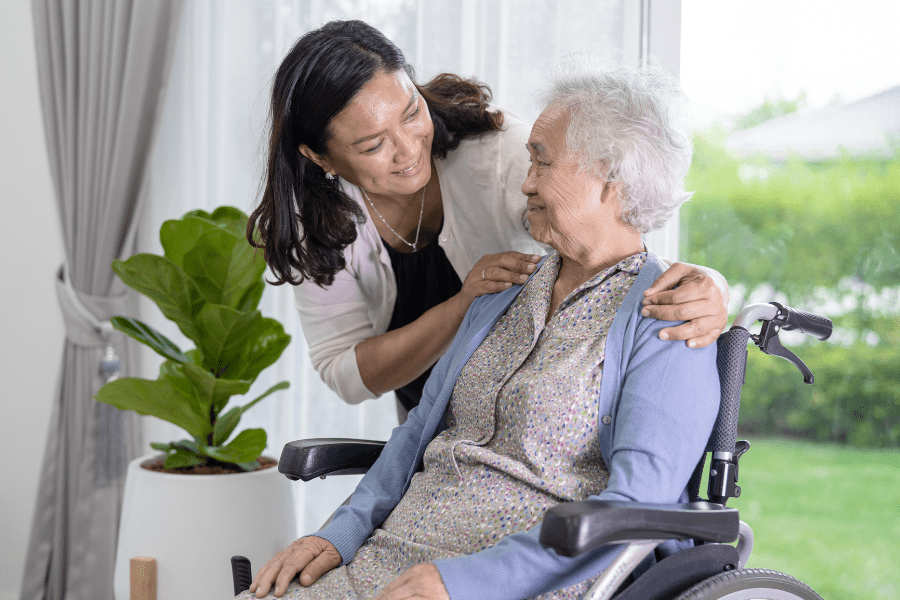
567	209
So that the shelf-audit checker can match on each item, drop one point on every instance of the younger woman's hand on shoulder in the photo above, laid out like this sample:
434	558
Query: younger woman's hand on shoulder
495	273
698	299
310	556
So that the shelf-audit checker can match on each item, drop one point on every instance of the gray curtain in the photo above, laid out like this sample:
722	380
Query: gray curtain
102	68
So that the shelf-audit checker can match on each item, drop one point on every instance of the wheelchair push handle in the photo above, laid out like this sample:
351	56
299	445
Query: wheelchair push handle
731	361
792	319
775	314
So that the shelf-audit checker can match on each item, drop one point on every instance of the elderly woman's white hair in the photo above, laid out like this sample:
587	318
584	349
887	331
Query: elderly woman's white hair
628	125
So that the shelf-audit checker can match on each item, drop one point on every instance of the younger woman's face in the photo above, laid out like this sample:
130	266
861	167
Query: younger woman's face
382	139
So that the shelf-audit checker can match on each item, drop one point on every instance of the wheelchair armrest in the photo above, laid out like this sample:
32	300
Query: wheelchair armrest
318	457
572	528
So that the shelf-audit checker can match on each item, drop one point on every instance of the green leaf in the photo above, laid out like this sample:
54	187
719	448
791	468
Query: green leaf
250	299
268	342
162	447
179	237
224	267
226	423
184	376
181	458
188	446
225	334
239	345
210	392
172	368
195	355
247	446
213	392
169	398
226	217
283	385
149	336
164	282
200	213
232	219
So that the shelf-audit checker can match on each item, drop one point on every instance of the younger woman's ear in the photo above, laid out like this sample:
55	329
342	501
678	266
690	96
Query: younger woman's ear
316	158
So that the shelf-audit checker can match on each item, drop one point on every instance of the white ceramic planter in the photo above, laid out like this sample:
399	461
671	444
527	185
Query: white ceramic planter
193	524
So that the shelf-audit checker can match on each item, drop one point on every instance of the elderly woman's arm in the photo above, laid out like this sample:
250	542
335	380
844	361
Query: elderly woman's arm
665	411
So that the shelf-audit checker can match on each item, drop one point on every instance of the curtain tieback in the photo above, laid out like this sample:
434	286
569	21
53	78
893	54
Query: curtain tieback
86	318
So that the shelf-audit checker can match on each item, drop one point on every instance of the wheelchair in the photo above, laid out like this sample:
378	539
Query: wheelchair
712	569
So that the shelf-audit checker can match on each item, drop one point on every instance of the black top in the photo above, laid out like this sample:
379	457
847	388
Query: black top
425	278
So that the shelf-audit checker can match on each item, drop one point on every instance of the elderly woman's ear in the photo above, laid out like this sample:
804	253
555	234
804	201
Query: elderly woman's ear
611	191
700	298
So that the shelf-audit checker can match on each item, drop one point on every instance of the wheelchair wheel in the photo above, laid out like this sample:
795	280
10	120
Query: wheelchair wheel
750	584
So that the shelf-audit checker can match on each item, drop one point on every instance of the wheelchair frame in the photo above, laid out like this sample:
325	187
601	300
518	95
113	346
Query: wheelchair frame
712	569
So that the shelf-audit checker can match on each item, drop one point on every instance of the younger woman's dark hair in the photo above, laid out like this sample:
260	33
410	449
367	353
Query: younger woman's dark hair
304	221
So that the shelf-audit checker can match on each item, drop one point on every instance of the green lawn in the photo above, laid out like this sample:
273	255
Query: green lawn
828	515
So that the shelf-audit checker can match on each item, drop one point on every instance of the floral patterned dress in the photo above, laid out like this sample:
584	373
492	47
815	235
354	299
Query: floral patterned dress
521	438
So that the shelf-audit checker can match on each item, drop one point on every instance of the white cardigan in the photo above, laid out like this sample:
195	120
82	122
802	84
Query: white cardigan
484	210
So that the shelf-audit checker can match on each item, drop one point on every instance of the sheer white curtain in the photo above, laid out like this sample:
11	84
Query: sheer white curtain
211	147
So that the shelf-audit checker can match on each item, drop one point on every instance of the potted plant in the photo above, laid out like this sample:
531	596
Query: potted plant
209	283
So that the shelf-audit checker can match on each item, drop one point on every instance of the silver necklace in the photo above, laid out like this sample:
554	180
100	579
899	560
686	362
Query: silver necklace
418	227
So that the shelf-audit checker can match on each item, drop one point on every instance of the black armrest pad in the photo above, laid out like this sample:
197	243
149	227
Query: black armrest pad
575	527
317	457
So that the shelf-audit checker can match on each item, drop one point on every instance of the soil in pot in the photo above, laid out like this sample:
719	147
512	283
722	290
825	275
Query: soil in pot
213	468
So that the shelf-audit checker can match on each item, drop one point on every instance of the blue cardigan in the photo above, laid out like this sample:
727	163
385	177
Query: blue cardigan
662	398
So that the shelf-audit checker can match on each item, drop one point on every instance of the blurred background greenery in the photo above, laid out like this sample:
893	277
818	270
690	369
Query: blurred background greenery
821	483
821	236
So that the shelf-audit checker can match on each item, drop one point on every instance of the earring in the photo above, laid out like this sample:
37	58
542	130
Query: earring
329	176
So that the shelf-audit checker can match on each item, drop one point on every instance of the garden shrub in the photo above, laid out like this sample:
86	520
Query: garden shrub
823	237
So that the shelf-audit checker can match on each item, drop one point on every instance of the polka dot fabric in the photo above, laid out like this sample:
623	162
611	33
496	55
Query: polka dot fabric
521	437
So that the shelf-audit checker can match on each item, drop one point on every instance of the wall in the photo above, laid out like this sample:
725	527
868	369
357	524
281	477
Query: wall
30	253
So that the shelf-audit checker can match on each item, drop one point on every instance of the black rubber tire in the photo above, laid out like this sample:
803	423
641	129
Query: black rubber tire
750	584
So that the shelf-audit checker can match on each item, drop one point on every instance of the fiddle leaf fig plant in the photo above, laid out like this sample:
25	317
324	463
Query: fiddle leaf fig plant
209	283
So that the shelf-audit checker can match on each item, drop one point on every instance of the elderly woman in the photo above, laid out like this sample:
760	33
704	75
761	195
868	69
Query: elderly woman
553	391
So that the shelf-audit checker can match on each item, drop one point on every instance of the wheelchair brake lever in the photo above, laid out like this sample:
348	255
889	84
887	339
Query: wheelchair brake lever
769	343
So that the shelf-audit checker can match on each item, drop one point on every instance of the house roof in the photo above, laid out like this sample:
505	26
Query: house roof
870	126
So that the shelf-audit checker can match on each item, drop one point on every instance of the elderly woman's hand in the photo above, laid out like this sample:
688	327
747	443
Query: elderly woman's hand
311	556
494	273
698	299
422	582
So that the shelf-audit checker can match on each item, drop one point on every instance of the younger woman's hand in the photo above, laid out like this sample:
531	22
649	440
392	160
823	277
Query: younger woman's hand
698	299
311	556
494	273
